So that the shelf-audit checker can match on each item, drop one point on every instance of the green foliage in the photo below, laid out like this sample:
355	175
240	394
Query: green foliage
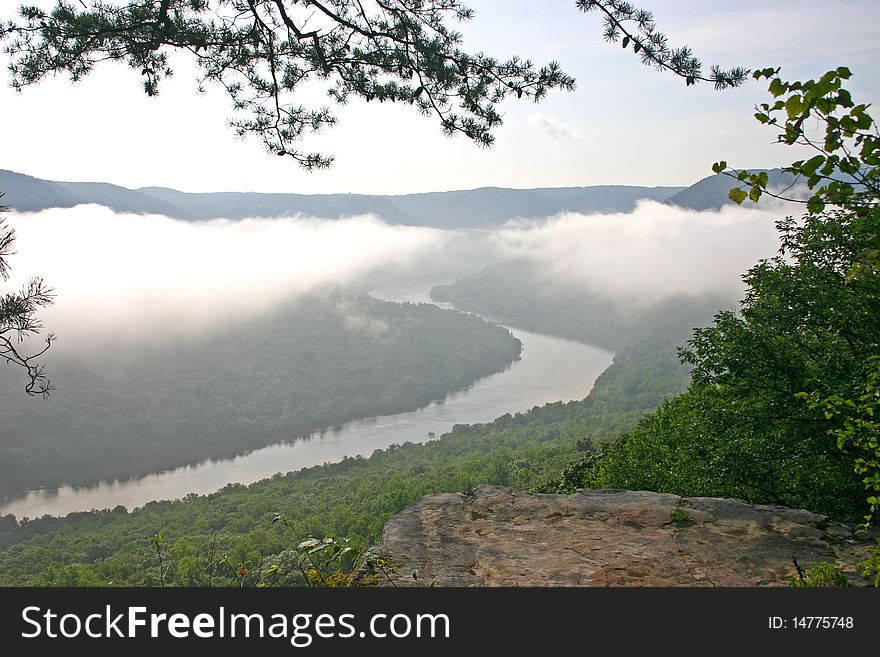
741	430
67	575
845	171
820	575
858	431
679	515
871	566
263	53
331	562
778	409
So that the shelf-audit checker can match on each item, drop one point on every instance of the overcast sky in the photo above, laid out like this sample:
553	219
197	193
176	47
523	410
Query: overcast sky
624	124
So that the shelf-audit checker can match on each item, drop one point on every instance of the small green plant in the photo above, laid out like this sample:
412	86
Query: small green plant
679	515
335	563
162	567
332	562
820	575
249	573
871	566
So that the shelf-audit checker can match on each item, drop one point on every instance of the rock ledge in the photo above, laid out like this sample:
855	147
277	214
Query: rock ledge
505	537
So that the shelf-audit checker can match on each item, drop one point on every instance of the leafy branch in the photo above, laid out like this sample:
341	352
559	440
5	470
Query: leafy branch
822	116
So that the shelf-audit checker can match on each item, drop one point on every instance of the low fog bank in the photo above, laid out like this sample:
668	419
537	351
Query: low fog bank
655	251
135	276
143	275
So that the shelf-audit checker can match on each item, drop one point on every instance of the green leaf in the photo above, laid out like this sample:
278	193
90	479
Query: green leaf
755	193
777	87
815	205
809	167
718	167
737	195
765	73
794	106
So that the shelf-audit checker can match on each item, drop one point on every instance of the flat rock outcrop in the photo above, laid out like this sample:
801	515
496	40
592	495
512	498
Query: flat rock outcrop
498	536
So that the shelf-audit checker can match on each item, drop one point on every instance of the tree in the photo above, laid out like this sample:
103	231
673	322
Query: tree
262	52
783	392
18	319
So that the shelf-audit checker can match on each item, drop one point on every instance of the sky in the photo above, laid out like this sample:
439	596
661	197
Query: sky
623	124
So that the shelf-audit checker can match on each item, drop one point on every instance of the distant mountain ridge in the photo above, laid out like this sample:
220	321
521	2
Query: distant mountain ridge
474	208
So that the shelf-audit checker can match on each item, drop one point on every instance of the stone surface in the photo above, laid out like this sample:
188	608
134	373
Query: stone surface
504	537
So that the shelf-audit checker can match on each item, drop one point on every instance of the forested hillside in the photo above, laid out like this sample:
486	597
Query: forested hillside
137	405
518	292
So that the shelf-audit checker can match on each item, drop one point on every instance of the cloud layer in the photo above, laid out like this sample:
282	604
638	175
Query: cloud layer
655	250
133	275
130	273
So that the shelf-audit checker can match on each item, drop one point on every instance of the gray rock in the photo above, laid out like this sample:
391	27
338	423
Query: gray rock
504	537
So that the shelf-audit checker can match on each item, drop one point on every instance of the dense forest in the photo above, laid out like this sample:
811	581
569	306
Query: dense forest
137	405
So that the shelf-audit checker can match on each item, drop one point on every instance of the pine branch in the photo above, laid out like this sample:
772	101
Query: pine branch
652	46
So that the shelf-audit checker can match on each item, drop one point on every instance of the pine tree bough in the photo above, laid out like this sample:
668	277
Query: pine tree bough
262	51
18	320
629	25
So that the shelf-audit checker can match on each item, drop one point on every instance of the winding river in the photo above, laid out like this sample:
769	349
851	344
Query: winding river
550	369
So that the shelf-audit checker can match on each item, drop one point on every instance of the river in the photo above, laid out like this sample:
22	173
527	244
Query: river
550	369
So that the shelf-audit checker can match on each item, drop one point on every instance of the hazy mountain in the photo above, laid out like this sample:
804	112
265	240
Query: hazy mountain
711	193
473	208
28	194
487	206
117	198
238	205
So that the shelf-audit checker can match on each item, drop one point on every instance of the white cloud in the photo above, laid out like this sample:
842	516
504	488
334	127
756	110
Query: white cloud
653	251
135	274
130	276
555	128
